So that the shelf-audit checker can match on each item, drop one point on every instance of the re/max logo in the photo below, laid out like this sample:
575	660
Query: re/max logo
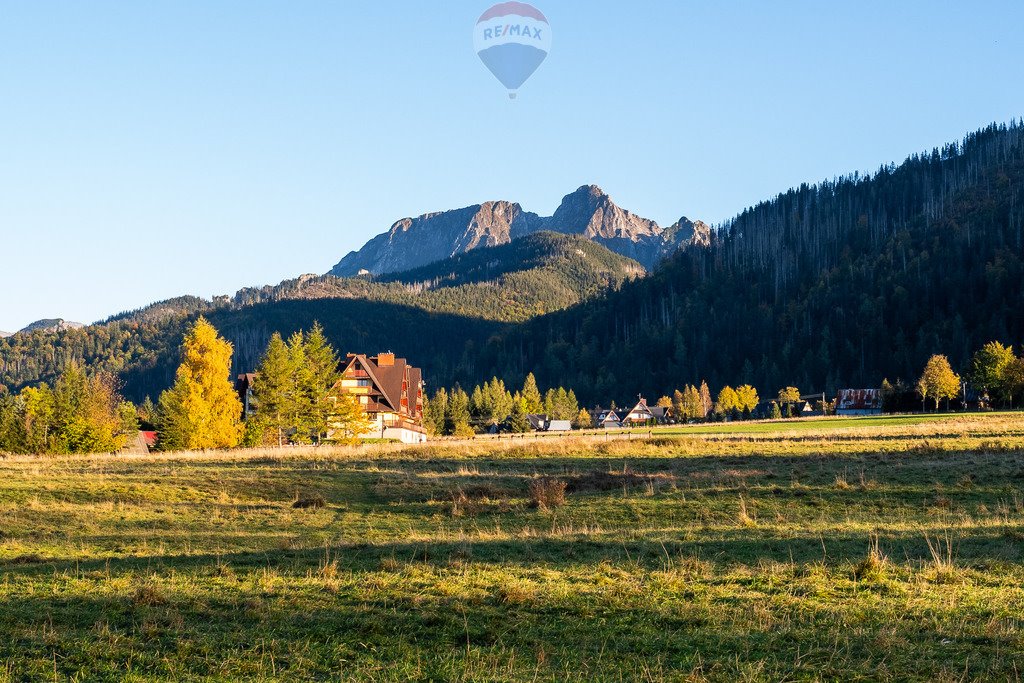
513	30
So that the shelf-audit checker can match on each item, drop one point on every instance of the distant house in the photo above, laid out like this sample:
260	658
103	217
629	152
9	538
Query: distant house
390	391
243	385
142	444
640	415
859	402
662	414
605	419
538	423
559	426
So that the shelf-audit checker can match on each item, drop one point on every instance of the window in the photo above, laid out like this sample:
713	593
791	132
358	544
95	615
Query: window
363	383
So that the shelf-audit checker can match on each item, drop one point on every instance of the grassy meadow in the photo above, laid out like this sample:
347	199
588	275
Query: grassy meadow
831	550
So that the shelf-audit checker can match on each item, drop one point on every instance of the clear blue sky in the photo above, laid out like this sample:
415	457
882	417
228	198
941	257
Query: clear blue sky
157	148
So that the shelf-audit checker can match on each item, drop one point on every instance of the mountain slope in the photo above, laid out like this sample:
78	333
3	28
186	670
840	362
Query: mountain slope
416	242
828	286
50	325
420	313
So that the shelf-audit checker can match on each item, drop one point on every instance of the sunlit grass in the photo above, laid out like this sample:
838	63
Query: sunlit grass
887	551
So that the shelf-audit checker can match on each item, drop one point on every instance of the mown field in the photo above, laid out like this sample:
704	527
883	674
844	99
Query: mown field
890	551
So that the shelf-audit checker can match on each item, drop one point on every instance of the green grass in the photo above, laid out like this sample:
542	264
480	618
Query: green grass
815	424
892	551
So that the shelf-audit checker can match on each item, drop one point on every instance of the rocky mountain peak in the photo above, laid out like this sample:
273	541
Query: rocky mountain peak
589	211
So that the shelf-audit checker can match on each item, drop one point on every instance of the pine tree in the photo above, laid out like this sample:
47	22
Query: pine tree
531	394
518	421
273	388
323	374
202	410
300	408
457	417
583	420
570	406
776	412
499	401
551	403
678	409
434	411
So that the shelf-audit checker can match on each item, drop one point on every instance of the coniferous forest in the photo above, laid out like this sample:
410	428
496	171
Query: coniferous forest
834	285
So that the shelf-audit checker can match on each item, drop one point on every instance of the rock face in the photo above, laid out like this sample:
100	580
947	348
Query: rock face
589	212
4	335
51	325
415	242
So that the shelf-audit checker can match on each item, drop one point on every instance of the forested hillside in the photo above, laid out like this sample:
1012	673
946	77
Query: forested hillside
430	313
834	285
837	284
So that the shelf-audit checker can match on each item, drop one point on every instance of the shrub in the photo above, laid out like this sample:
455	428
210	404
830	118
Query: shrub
547	493
310	503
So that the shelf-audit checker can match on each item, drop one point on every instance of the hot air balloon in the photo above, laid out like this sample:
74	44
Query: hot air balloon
512	39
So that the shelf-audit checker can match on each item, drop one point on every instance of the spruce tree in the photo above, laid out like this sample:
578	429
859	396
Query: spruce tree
457	417
322	376
531	394
302	381
518	421
434	412
273	388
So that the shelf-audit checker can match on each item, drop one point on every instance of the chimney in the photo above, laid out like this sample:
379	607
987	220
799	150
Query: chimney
386	360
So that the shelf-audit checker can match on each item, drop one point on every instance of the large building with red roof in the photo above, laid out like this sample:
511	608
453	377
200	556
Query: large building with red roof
390	391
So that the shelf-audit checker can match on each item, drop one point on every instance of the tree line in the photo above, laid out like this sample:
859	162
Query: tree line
492	406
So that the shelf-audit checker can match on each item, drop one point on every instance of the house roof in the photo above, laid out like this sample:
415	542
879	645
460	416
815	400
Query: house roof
371	369
389	379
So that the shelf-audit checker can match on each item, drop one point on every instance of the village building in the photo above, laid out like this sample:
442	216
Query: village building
640	416
559	426
859	402
662	415
390	391
243	385
602	418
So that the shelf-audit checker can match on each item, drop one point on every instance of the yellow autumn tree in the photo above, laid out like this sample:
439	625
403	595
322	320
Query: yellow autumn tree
202	409
938	381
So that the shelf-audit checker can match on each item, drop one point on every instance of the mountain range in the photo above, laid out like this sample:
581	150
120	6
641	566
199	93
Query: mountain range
589	212
824	286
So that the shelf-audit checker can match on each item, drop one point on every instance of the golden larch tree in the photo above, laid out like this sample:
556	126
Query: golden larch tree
202	410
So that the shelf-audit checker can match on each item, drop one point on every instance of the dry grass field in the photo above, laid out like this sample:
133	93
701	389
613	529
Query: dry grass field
873	550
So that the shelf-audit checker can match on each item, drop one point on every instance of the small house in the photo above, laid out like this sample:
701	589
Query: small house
641	415
605	419
559	426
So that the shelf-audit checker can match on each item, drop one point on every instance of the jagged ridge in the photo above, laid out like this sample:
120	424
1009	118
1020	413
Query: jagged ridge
589	212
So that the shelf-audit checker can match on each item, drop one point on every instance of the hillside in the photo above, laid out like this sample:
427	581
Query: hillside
838	284
416	242
826	286
467	298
